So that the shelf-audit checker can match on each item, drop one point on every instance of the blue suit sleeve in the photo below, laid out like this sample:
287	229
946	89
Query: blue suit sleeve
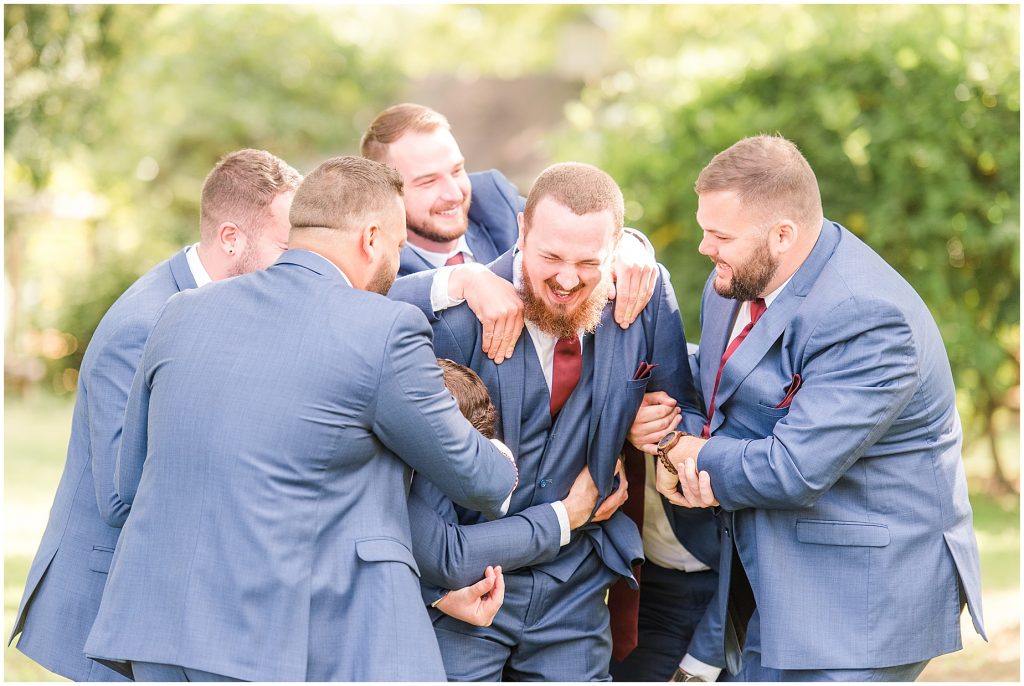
416	418
131	456
673	373
859	373
452	555
415	290
107	386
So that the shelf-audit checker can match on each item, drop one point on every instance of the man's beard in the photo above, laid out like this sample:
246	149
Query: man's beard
381	281
749	282
247	262
559	320
427	228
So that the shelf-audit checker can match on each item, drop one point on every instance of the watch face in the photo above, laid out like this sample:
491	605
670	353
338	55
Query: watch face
667	439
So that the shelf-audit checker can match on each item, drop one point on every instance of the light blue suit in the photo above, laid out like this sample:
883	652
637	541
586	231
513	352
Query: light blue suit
66	579
848	509
561	601
492	228
279	416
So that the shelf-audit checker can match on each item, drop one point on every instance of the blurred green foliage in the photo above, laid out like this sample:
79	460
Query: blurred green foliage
909	116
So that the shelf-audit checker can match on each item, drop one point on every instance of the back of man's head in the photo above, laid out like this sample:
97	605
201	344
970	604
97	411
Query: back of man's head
582	188
395	122
769	177
471	394
342	192
240	189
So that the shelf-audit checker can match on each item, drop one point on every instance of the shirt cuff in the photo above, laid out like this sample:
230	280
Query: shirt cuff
563	522
698	668
445	594
439	300
640	237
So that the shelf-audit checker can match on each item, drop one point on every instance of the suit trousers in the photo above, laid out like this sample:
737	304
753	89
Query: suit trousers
753	670
672	603
152	671
547	630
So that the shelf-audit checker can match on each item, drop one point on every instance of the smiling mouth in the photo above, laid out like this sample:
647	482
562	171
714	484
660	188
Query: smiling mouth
561	295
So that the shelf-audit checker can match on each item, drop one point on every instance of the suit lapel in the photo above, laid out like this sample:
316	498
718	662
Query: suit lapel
606	345
718	321
773	323
480	243
411	262
180	271
512	372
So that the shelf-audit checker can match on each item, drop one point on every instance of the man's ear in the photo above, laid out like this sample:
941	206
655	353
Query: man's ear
784	236
230	238
521	240
370	241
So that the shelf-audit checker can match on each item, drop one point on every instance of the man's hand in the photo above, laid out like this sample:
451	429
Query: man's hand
476	604
658	414
582	499
696	487
495	303
614	501
634	273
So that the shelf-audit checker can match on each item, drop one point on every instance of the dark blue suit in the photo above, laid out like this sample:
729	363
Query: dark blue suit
560	601
67	576
492	229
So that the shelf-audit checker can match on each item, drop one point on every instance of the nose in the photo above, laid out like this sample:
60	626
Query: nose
706	246
567	278
451	191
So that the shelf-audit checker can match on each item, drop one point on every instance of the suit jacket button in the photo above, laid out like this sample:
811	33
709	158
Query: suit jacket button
544	483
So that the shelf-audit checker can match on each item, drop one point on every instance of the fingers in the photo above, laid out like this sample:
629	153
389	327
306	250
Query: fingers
485	585
707	496
627	286
659	398
613	502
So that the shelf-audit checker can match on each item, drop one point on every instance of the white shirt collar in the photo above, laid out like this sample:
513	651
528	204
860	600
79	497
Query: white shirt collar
195	265
437	259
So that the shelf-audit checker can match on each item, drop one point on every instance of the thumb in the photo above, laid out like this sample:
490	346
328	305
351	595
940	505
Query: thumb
485	585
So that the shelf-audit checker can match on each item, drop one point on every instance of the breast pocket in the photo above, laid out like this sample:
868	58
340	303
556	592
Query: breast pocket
100	558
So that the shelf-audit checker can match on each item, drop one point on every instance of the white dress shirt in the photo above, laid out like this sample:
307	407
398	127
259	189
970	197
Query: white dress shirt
195	265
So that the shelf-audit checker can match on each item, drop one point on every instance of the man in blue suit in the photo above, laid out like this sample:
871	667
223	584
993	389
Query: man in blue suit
279	416
566	397
244	226
456	218
833	441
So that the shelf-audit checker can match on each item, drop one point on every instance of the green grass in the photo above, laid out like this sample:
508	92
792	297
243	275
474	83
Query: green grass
35	442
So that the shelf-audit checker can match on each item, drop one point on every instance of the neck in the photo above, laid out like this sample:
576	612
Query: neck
214	261
338	255
430	246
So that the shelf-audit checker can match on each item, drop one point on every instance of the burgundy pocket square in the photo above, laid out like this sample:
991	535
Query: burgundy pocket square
791	390
643	371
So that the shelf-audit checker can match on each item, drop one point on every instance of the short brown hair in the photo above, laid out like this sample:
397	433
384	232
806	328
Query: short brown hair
343	191
393	123
580	187
471	394
769	175
240	189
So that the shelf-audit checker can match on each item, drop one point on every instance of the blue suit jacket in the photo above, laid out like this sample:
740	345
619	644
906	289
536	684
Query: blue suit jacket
278	416
66	579
657	336
849	508
492	228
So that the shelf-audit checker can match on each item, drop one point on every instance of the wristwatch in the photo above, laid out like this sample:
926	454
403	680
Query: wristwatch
682	675
667	442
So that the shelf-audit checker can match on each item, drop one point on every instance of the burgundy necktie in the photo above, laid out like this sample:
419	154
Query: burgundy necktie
623	601
757	308
457	258
565	372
